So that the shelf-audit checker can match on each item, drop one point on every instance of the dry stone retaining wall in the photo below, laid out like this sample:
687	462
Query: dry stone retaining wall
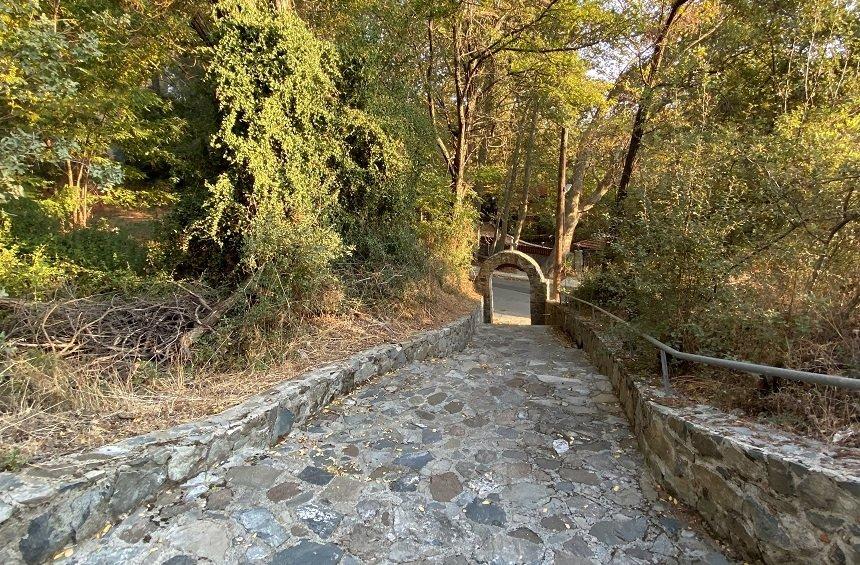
70	499
773	496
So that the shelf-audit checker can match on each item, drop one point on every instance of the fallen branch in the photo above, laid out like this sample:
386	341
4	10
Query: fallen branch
206	324
108	328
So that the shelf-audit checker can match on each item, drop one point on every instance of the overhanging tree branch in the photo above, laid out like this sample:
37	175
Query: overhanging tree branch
645	101
431	104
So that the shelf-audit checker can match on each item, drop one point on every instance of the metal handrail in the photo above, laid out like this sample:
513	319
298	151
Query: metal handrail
742	366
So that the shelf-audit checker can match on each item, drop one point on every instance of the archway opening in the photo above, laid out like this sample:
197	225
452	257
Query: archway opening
511	297
537	284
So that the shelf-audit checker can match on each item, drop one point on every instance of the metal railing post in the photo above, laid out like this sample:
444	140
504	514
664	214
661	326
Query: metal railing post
664	364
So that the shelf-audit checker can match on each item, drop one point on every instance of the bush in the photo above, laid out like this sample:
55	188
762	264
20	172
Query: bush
449	234
311	181
275	85
38	257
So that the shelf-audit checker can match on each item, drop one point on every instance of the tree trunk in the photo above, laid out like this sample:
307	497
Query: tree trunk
85	209
458	182
462	91
200	24
431	101
527	177
574	195
645	103
504	215
282	5
559	213
70	175
78	190
575	207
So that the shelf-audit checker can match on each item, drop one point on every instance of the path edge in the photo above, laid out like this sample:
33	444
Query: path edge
775	497
44	509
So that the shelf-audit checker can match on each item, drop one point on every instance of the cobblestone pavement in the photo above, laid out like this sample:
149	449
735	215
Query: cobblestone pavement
514	451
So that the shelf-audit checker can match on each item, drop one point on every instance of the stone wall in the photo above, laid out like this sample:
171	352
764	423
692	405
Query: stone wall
538	288
45	508
773	496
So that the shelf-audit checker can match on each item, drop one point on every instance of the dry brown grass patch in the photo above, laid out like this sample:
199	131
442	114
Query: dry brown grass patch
823	413
52	405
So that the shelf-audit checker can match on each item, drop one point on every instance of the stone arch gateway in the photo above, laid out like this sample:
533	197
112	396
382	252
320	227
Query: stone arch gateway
537	282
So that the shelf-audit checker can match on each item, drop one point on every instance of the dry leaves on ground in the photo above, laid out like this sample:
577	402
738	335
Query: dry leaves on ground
53	405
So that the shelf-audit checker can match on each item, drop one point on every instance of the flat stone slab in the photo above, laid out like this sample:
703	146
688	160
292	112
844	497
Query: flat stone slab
509	452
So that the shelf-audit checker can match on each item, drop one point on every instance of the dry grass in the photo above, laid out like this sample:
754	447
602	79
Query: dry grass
139	223
52	406
823	413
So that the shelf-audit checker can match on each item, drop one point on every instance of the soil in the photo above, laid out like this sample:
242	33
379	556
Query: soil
140	404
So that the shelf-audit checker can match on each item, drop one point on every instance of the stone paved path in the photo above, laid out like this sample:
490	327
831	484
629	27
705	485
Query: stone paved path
514	451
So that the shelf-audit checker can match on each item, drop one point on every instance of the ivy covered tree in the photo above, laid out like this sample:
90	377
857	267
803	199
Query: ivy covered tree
295	150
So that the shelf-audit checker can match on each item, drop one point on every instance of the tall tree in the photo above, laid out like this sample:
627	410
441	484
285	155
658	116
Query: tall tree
504	213
466	40
746	168
522	212
579	199
78	87
645	99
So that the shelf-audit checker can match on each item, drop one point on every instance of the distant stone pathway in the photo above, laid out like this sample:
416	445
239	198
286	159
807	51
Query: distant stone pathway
514	451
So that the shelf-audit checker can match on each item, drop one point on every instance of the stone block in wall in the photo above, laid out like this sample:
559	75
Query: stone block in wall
816	490
705	443
282	420
773	540
774	497
747	468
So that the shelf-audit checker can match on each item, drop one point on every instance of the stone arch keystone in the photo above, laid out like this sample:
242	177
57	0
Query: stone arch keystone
521	261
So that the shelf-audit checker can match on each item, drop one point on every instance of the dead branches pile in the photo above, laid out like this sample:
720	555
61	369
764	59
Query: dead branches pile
106	329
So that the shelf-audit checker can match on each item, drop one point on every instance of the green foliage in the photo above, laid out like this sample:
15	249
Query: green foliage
25	273
11	460
37	257
41	63
310	179
76	90
275	85
153	196
449	237
740	236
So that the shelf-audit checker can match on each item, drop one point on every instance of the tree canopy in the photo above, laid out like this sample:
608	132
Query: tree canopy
713	154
